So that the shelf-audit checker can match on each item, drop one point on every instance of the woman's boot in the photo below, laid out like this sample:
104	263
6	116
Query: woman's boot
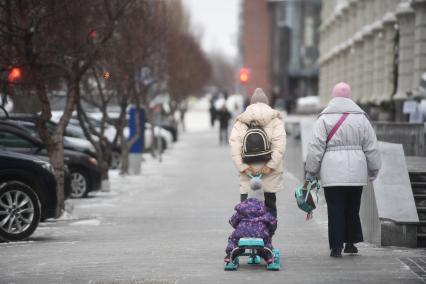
350	248
336	252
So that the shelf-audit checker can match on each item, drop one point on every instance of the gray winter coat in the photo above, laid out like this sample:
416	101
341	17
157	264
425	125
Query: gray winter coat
352	155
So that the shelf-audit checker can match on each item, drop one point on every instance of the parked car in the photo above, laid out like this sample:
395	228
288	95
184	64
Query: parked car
84	169
72	139
74	130
167	138
27	194
110	131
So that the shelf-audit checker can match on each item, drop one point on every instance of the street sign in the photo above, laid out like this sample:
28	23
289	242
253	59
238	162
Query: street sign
137	147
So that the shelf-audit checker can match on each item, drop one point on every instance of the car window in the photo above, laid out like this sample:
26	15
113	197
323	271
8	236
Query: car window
33	129
73	131
96	123
50	127
74	121
29	127
11	140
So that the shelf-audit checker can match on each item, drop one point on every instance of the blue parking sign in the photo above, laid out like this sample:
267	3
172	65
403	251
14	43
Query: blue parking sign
138	146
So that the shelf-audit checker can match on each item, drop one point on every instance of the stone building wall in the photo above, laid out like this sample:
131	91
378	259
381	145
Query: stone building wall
377	46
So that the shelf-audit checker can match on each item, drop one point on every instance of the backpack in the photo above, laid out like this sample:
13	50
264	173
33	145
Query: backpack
256	145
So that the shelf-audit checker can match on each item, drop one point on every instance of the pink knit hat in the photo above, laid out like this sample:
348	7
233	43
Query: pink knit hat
342	90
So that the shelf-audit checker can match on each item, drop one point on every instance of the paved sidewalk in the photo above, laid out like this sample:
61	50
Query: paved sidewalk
171	223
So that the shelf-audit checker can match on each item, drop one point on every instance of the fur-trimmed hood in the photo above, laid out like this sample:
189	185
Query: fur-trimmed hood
261	113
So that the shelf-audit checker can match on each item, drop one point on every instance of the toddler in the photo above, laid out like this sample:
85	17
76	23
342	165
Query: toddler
252	220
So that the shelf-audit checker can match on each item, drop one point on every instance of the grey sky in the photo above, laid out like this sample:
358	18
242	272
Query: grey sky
218	20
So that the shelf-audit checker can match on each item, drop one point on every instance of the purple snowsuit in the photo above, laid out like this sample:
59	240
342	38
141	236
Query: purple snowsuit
252	220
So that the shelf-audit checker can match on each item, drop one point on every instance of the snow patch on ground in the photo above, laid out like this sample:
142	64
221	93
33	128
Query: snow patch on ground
91	205
90	222
66	214
15	244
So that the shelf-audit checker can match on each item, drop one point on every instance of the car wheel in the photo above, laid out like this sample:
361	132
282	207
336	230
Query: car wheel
79	183
19	211
115	160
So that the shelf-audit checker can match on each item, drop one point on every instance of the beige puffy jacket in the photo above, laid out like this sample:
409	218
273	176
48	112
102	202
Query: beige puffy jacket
272	123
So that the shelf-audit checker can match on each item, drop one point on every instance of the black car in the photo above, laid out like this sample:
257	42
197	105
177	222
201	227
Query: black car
84	169
72	140
27	194
72	134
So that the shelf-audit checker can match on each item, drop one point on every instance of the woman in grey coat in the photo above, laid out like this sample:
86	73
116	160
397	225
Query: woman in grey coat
344	164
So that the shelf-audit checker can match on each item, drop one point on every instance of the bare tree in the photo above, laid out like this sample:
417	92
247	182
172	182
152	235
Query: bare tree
55	43
135	50
222	72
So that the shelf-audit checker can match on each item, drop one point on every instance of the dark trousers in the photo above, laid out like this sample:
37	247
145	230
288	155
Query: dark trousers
270	202
223	135
344	225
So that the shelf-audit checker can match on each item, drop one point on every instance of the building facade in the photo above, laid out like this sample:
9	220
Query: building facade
279	43
255	44
295	47
378	47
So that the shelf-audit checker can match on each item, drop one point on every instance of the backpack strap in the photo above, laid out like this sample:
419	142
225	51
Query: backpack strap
251	124
336	127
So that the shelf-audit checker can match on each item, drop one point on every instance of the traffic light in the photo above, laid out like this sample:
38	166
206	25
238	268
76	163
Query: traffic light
14	74
93	34
244	75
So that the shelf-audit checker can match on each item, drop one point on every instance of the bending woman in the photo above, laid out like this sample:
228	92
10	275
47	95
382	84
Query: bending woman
271	121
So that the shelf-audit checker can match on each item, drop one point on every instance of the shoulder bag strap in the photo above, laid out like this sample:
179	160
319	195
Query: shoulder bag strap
336	127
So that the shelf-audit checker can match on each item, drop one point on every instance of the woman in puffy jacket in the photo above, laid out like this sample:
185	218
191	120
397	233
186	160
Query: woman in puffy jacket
271	121
344	164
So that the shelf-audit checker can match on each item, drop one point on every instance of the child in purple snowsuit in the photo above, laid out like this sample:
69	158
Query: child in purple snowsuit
252	220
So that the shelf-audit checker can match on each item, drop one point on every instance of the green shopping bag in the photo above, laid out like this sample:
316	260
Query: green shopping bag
304	198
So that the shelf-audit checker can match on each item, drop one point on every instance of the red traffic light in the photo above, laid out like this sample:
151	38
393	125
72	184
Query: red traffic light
93	34
14	74
244	75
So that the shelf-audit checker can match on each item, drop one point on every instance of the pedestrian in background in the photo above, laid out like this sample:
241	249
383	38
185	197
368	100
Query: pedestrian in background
344	153
271	121
223	115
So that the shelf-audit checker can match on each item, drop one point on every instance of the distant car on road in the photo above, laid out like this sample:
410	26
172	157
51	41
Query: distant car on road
308	105
84	169
27	194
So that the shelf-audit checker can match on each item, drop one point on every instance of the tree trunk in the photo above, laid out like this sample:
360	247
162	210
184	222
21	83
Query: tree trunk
102	146
105	157
56	157
124	158
55	145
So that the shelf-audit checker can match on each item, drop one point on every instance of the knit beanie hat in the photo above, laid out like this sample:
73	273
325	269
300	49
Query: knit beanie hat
259	97
256	190
342	90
